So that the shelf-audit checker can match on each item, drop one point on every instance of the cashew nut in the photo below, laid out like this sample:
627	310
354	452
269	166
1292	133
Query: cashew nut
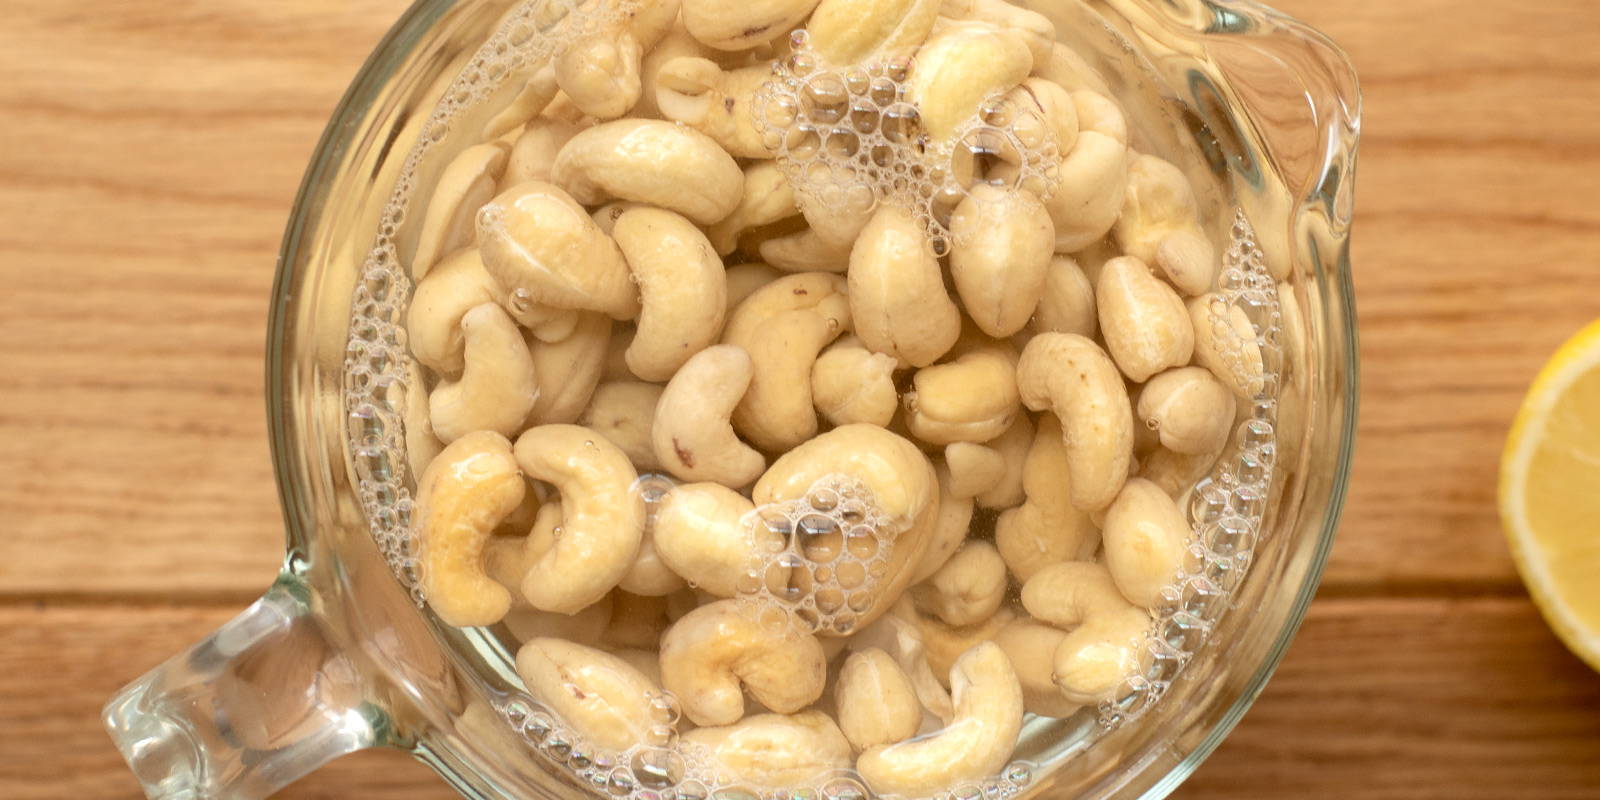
968	588
453	287
1160	225
974	468
943	644
1013	446
976	743
806	250
782	326
536	239
876	701
1092	177
740	24
970	399
636	624
716	652
682	286
1145	325
624	413
1189	409
467	183
1035	29
601	696
1104	646
767	198
569	370
506	559
1176	472
1074	378
498	386
949	528
1225	343
833	224
660	163
963	63
535	95
676	43
461	496
775	750
601	526
897	295
600	72
1003	243
744	279
534	153
692	436
850	383
422	446
606	216
1146	538
703	532
648	575
585	627
1067	304
901	639
1045	529
853	31
699	93
1032	646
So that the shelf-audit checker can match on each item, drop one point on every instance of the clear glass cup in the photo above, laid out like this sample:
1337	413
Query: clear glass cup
1263	113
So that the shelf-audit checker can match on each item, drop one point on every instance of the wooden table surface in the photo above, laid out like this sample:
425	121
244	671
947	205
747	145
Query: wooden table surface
149	152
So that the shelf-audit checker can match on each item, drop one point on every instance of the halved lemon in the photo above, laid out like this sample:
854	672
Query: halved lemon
1550	492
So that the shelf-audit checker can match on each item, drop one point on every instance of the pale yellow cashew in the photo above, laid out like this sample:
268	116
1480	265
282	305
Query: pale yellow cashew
1032	646
1160	225
973	398
506	559
453	287
606	216
1143	320
462	495
960	65
705	533
682	285
1054	108
853	31
585	627
601	525
624	412
767	198
1003	243
1225	343
901	639
1074	378
1103	647
976	743
677	43
498	386
603	698
850	383
467	183
1093	175
661	163
744	279
876	701
1189	409
897	295
569	370
968	588
1035	29
741	24
949	528
1176	472
774	751
422	446
692	436
536	95
717	652
534	153
600	72
1067	302
649	575
974	468
783	326
535	239
636	624
1013	446
824	245
943	644
701	94
1045	529
1146	539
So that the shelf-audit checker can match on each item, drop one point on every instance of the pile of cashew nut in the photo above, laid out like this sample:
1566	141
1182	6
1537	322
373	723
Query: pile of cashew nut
643	350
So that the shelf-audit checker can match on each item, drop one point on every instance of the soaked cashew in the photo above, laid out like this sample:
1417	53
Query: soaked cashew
602	697
1189	409
600	72
1054	108
1003	243
1067	302
467	183
1045	529
1035	29
536	240
968	588
943	644
963	63
853	31
1225	343
601	522
676	43
1144	322
744	279
682	286
692	437
824	245
716	652
1074	378
498	386
1092	177
456	285
783	326
537	93
624	413
850	383
534	152
1103	647
973	398
422	446
701	94
585	627
506	559
949	528
1032	646
767	198
1175	472
1013	446
461	496
902	640
976	743
636	624
661	163
1160	225
1146	538
649	575
876	701
897	295
701	531
569	370
775	750
741	24
974	468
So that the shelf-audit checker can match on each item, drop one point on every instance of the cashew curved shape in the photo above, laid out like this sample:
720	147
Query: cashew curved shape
605	699
901	639
1067	302
1146	539
1071	376
624	412
974	468
534	238
767	197
973	398
896	291
1102	648
601	523
569	370
1046	528
701	94
850	383
1003	243
824	245
461	496
600	72
775	751
1054	108
976	743
466	183
533	154
1013	446
876	701
692	436
1225	343
676	43
1092	176
506	559
456	285
968	588
740	24
1031	645
852	31
717	652
663	164
783	326
704	532
1189	409
682	286
942	644
949	528
1160	225
960	65
498	386
1143	320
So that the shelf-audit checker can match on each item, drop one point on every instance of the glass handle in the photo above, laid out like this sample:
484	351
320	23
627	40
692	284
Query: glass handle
263	701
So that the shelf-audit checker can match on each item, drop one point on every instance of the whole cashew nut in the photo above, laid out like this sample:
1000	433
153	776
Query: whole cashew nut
536	240
602	697
1225	343
1144	322
876	701
682	286
741	24
1104	646
1067	302
903	642
600	72
624	413
968	588
600	521
943	644
569	370
853	31
703	532
949	528
1074	378
455	285
701	94
717	652
976	743
768	197
467	183
1160	225
1013	446
973	398
1052	104
676	43
1189	409
896	291
661	163
1032	647
783	326
1045	529
498	386
775	750
461	496
692	436
1001	255
850	383
974	468
1146	538
832	227
534	153
1092	177
963	63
